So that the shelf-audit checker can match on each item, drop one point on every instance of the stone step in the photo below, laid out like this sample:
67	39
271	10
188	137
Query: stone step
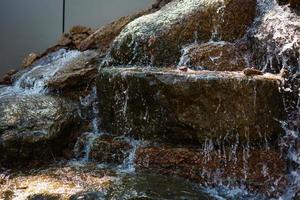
190	107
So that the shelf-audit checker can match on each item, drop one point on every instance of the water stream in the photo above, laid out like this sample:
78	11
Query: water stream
34	81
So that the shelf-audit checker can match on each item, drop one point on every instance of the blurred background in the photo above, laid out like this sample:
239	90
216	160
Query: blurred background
33	25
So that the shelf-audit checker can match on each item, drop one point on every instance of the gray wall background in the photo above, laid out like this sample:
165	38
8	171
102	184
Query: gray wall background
33	25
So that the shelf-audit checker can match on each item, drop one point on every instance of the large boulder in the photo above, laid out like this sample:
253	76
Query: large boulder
33	126
156	39
214	56
192	106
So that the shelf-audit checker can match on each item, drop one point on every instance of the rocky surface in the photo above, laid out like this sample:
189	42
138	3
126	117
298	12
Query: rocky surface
30	59
63	70
213	56
156	39
110	150
275	38
260	170
166	104
35	126
54	183
7	78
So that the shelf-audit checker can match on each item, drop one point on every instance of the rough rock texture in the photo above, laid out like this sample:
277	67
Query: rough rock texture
75	36
55	182
192	107
293	3
156	39
33	126
109	150
259	171
62	70
214	56
29	60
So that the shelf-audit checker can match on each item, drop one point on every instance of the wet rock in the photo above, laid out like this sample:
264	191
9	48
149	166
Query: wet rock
156	39
214	56
275	38
189	107
88	196
7	78
147	186
258	170
35	126
106	149
29	60
63	70
44	197
293	3
58	182
252	72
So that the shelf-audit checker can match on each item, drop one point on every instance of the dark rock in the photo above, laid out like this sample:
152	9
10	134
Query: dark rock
147	186
88	196
7	78
252	72
44	197
259	170
191	106
156	39
215	56
35	126
106	149
294	3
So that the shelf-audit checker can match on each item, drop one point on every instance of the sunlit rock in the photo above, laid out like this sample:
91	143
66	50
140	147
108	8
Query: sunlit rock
191	106
156	39
35	126
56	183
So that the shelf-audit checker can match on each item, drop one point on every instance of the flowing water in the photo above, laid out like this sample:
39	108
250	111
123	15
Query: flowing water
130	184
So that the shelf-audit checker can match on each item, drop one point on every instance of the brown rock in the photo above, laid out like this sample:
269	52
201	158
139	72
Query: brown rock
295	3
109	150
7	78
29	60
80	30
179	23
76	75
259	170
169	105
216	56
103	37
252	72
65	40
